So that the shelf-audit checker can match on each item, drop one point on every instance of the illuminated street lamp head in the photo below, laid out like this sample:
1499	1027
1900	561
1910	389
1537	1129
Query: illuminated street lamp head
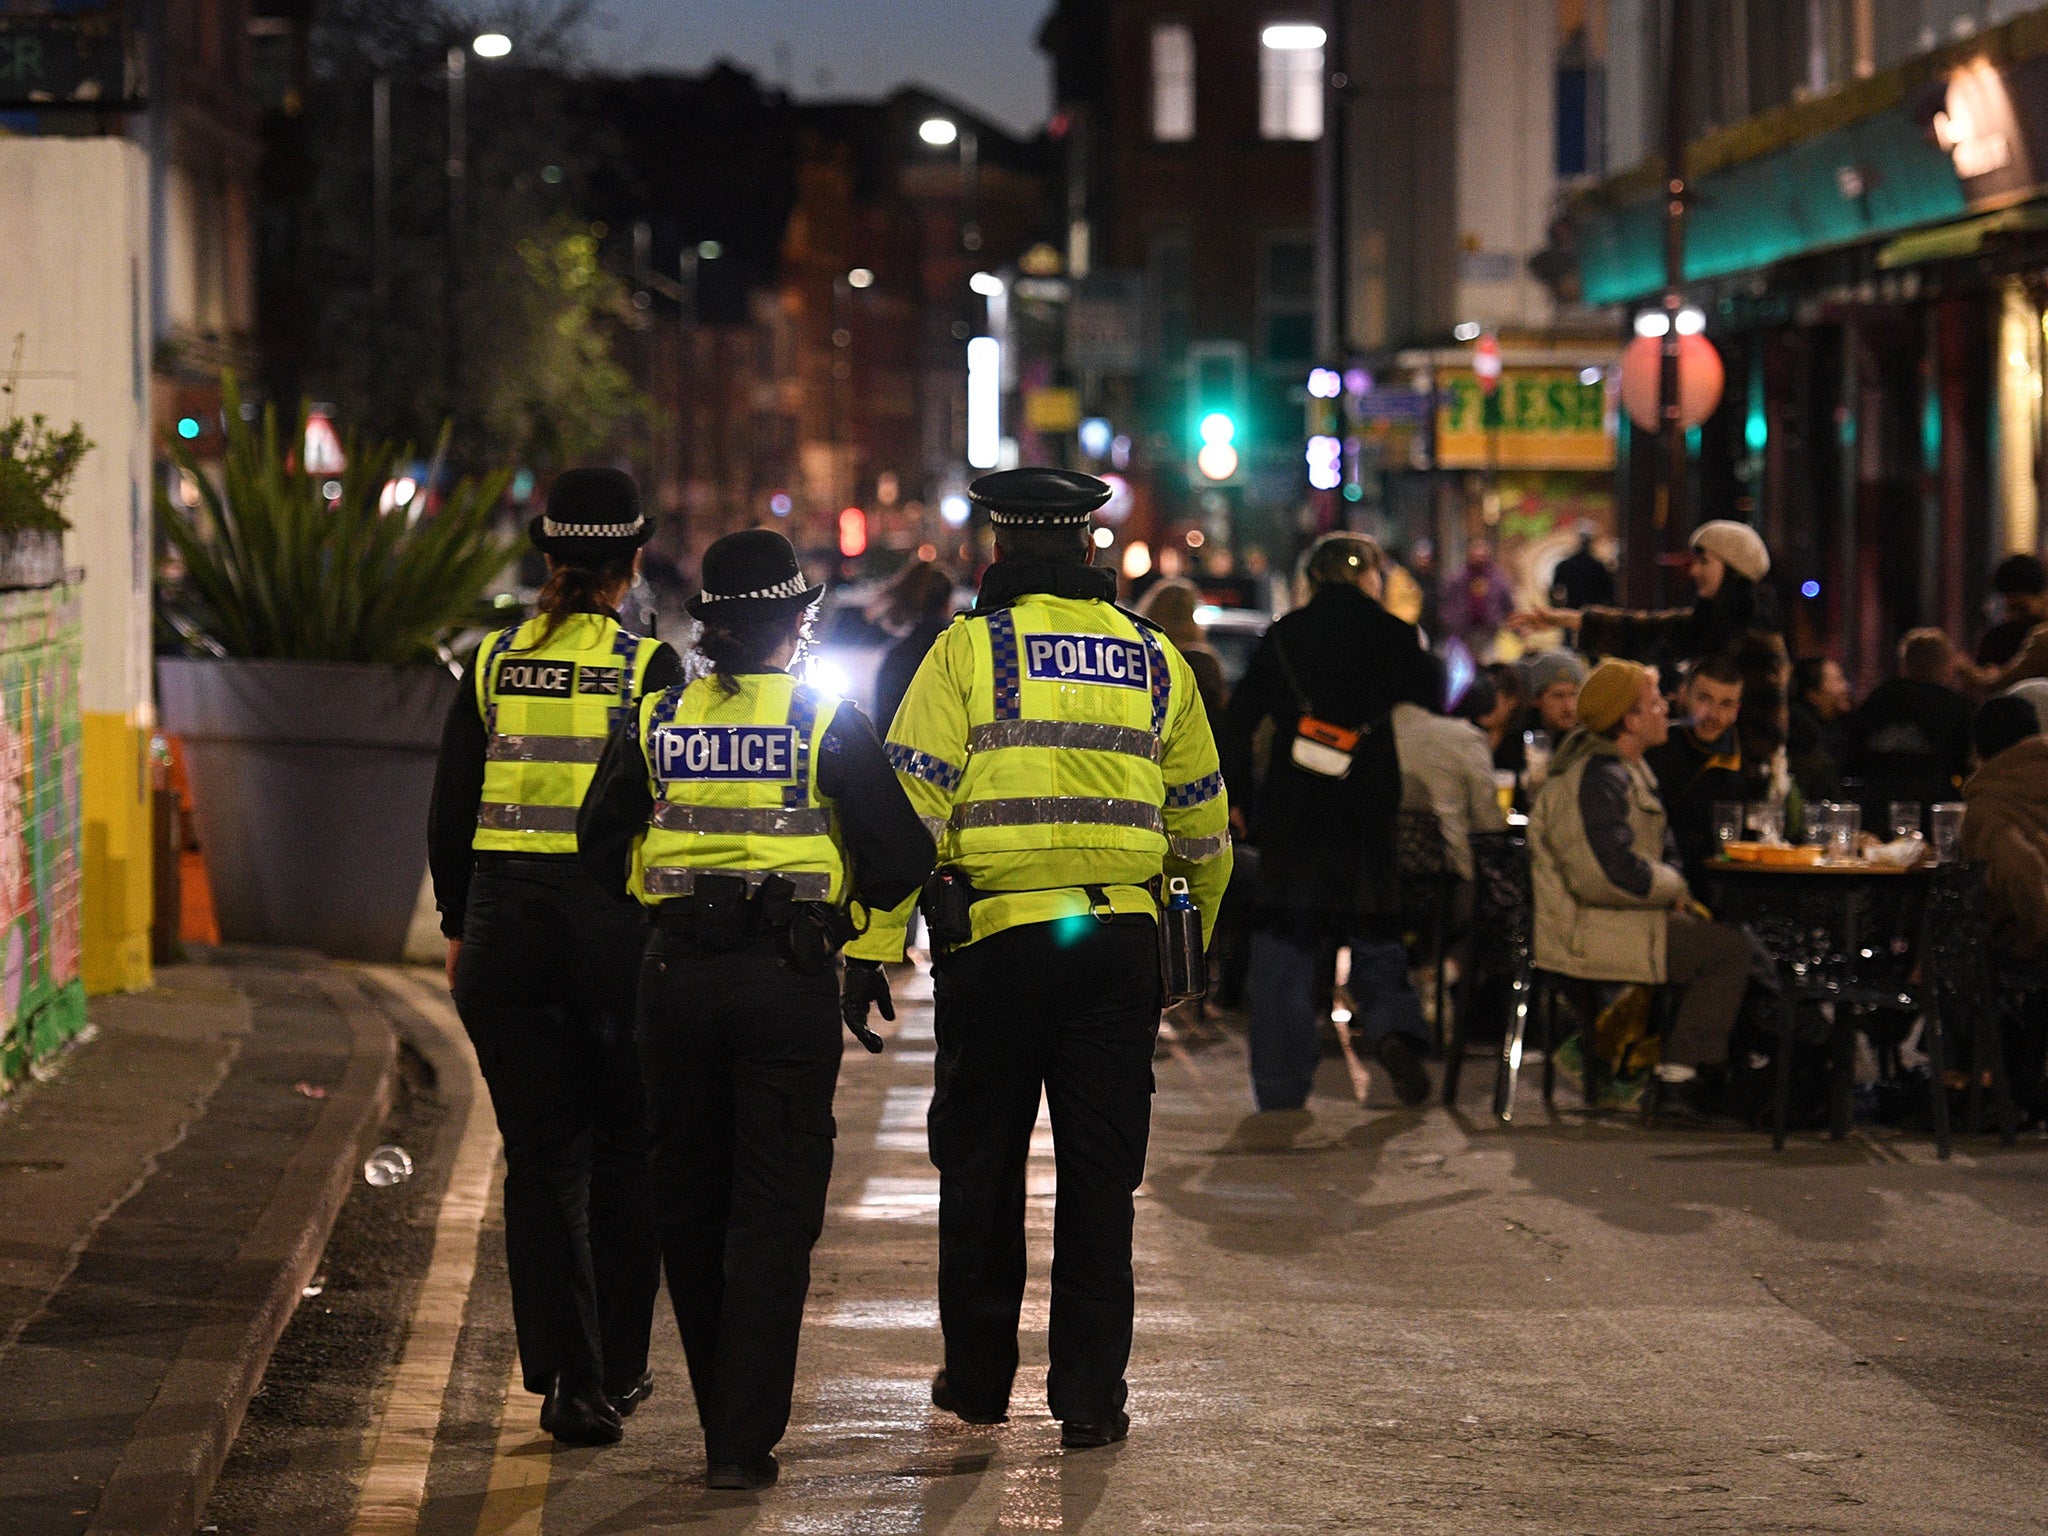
1289	35
860	277
938	131
491	45
987	284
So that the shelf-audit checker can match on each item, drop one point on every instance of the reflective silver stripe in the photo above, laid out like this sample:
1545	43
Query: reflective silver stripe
936	825
668	880
743	821
1083	735
498	816
1052	810
545	749
1197	850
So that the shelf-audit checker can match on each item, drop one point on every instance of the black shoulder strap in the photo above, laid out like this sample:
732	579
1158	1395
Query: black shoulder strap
1137	618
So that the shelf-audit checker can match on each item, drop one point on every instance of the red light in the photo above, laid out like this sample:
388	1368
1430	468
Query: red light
853	533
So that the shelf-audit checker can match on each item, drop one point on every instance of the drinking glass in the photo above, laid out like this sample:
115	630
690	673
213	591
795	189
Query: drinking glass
1536	758
1504	789
1904	818
1767	822
1845	823
1948	831
1727	822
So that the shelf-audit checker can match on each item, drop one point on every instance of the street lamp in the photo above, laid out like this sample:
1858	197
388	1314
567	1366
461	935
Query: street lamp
939	132
492	45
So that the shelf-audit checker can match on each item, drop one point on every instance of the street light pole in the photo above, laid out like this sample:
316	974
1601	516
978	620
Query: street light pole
1670	513
458	170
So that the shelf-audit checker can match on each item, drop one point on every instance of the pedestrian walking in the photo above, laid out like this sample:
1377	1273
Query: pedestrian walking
750	814
1322	816
916	607
1063	748
543	963
1582	579
1479	599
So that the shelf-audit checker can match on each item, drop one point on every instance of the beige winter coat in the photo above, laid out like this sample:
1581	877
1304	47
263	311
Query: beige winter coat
2006	826
1587	924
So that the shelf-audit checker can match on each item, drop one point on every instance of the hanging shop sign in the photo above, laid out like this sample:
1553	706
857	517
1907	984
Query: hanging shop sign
50	62
1538	418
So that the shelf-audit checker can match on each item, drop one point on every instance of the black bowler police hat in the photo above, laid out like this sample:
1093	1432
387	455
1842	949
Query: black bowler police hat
751	574
591	513
1039	498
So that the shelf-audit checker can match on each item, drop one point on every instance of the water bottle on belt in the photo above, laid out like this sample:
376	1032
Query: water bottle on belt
1183	974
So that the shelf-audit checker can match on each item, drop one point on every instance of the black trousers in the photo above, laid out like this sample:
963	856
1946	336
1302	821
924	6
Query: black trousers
1072	1009
741	1055
545	986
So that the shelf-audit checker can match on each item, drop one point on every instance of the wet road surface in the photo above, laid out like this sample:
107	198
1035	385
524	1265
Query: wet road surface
1347	1321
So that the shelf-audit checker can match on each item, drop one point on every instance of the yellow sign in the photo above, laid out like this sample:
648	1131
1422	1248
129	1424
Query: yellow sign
1539	418
1052	410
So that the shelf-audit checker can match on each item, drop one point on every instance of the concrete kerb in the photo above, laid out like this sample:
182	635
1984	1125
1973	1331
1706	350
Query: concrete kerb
163	1480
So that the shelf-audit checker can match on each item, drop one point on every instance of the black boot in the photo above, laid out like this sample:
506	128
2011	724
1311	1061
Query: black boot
743	1476
579	1415
1411	1078
1077	1436
623	1403
944	1400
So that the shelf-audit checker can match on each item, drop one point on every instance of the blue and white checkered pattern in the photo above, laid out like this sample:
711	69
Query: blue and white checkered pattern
625	646
1180	796
1162	680
803	716
1002	645
922	765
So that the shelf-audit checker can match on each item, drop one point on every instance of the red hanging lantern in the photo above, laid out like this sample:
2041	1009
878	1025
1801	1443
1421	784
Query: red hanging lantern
1700	380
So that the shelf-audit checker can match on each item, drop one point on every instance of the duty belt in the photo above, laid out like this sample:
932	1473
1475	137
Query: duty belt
1052	810
503	816
672	880
742	821
545	749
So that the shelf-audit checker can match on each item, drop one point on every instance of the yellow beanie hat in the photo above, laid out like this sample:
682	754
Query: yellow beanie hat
1610	693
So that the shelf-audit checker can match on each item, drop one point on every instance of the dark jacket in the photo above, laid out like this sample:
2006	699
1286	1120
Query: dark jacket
900	665
459	789
1582	580
1664	638
1691	779
1909	741
1811	753
1326	846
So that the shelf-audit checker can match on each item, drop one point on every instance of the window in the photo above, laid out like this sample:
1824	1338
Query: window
1291	82
1287	299
1173	83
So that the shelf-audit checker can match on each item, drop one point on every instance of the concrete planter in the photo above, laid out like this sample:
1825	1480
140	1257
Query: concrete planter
31	557
310	781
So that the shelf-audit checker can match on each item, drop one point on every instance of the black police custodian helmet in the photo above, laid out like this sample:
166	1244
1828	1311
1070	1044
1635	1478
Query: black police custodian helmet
1039	498
751	574
591	514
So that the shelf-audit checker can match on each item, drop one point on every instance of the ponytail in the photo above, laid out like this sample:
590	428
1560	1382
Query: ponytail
574	589
738	646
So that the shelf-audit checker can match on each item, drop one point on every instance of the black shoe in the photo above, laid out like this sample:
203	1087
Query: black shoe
1076	1436
579	1416
944	1400
623	1403
743	1476
1411	1078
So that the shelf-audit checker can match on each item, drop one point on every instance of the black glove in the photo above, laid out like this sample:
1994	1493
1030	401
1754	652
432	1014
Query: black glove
865	983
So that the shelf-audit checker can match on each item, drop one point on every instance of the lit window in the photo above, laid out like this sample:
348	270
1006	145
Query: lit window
1173	83
1291	82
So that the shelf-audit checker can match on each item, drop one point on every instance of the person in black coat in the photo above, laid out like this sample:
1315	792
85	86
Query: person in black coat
916	607
1326	845
1910	740
1582	579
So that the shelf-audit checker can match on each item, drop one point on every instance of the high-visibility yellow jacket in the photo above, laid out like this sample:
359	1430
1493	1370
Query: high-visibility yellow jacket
735	785
548	710
1053	746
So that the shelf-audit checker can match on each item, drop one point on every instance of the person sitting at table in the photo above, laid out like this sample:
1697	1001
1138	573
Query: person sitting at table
1910	740
1553	681
1611	902
2006	826
1700	765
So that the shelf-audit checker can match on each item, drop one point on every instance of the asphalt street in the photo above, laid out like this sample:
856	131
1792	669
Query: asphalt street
1348	1320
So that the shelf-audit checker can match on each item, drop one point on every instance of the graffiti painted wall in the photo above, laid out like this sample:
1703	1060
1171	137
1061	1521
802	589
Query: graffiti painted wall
42	1001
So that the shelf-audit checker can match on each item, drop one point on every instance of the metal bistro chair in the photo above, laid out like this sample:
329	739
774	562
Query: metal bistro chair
1969	981
1500	937
1428	893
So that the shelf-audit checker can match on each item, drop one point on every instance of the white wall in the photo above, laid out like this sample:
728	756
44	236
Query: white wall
1507	123
74	282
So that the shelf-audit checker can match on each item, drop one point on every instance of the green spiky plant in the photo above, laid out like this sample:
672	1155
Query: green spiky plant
274	570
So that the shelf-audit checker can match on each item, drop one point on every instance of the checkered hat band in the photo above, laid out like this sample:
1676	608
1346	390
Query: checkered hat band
1038	519
796	586
555	530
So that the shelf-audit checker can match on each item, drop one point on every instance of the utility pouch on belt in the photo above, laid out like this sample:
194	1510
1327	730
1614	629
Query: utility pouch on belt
719	915
947	902
815	936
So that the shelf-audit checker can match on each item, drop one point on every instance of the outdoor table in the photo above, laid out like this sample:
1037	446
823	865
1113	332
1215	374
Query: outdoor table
1829	927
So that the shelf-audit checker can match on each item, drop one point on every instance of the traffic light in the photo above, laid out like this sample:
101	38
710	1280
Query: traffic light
1216	407
853	533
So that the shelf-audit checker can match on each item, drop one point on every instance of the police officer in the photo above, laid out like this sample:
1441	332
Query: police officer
755	816
1061	746
543	964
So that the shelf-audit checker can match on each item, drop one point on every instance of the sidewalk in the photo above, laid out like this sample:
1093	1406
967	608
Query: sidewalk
163	1199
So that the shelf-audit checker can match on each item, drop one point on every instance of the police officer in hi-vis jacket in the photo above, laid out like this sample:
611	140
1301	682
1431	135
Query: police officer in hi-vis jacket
1060	748
543	962
757	819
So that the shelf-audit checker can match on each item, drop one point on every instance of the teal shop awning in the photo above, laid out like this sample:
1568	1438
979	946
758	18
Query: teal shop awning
1870	179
